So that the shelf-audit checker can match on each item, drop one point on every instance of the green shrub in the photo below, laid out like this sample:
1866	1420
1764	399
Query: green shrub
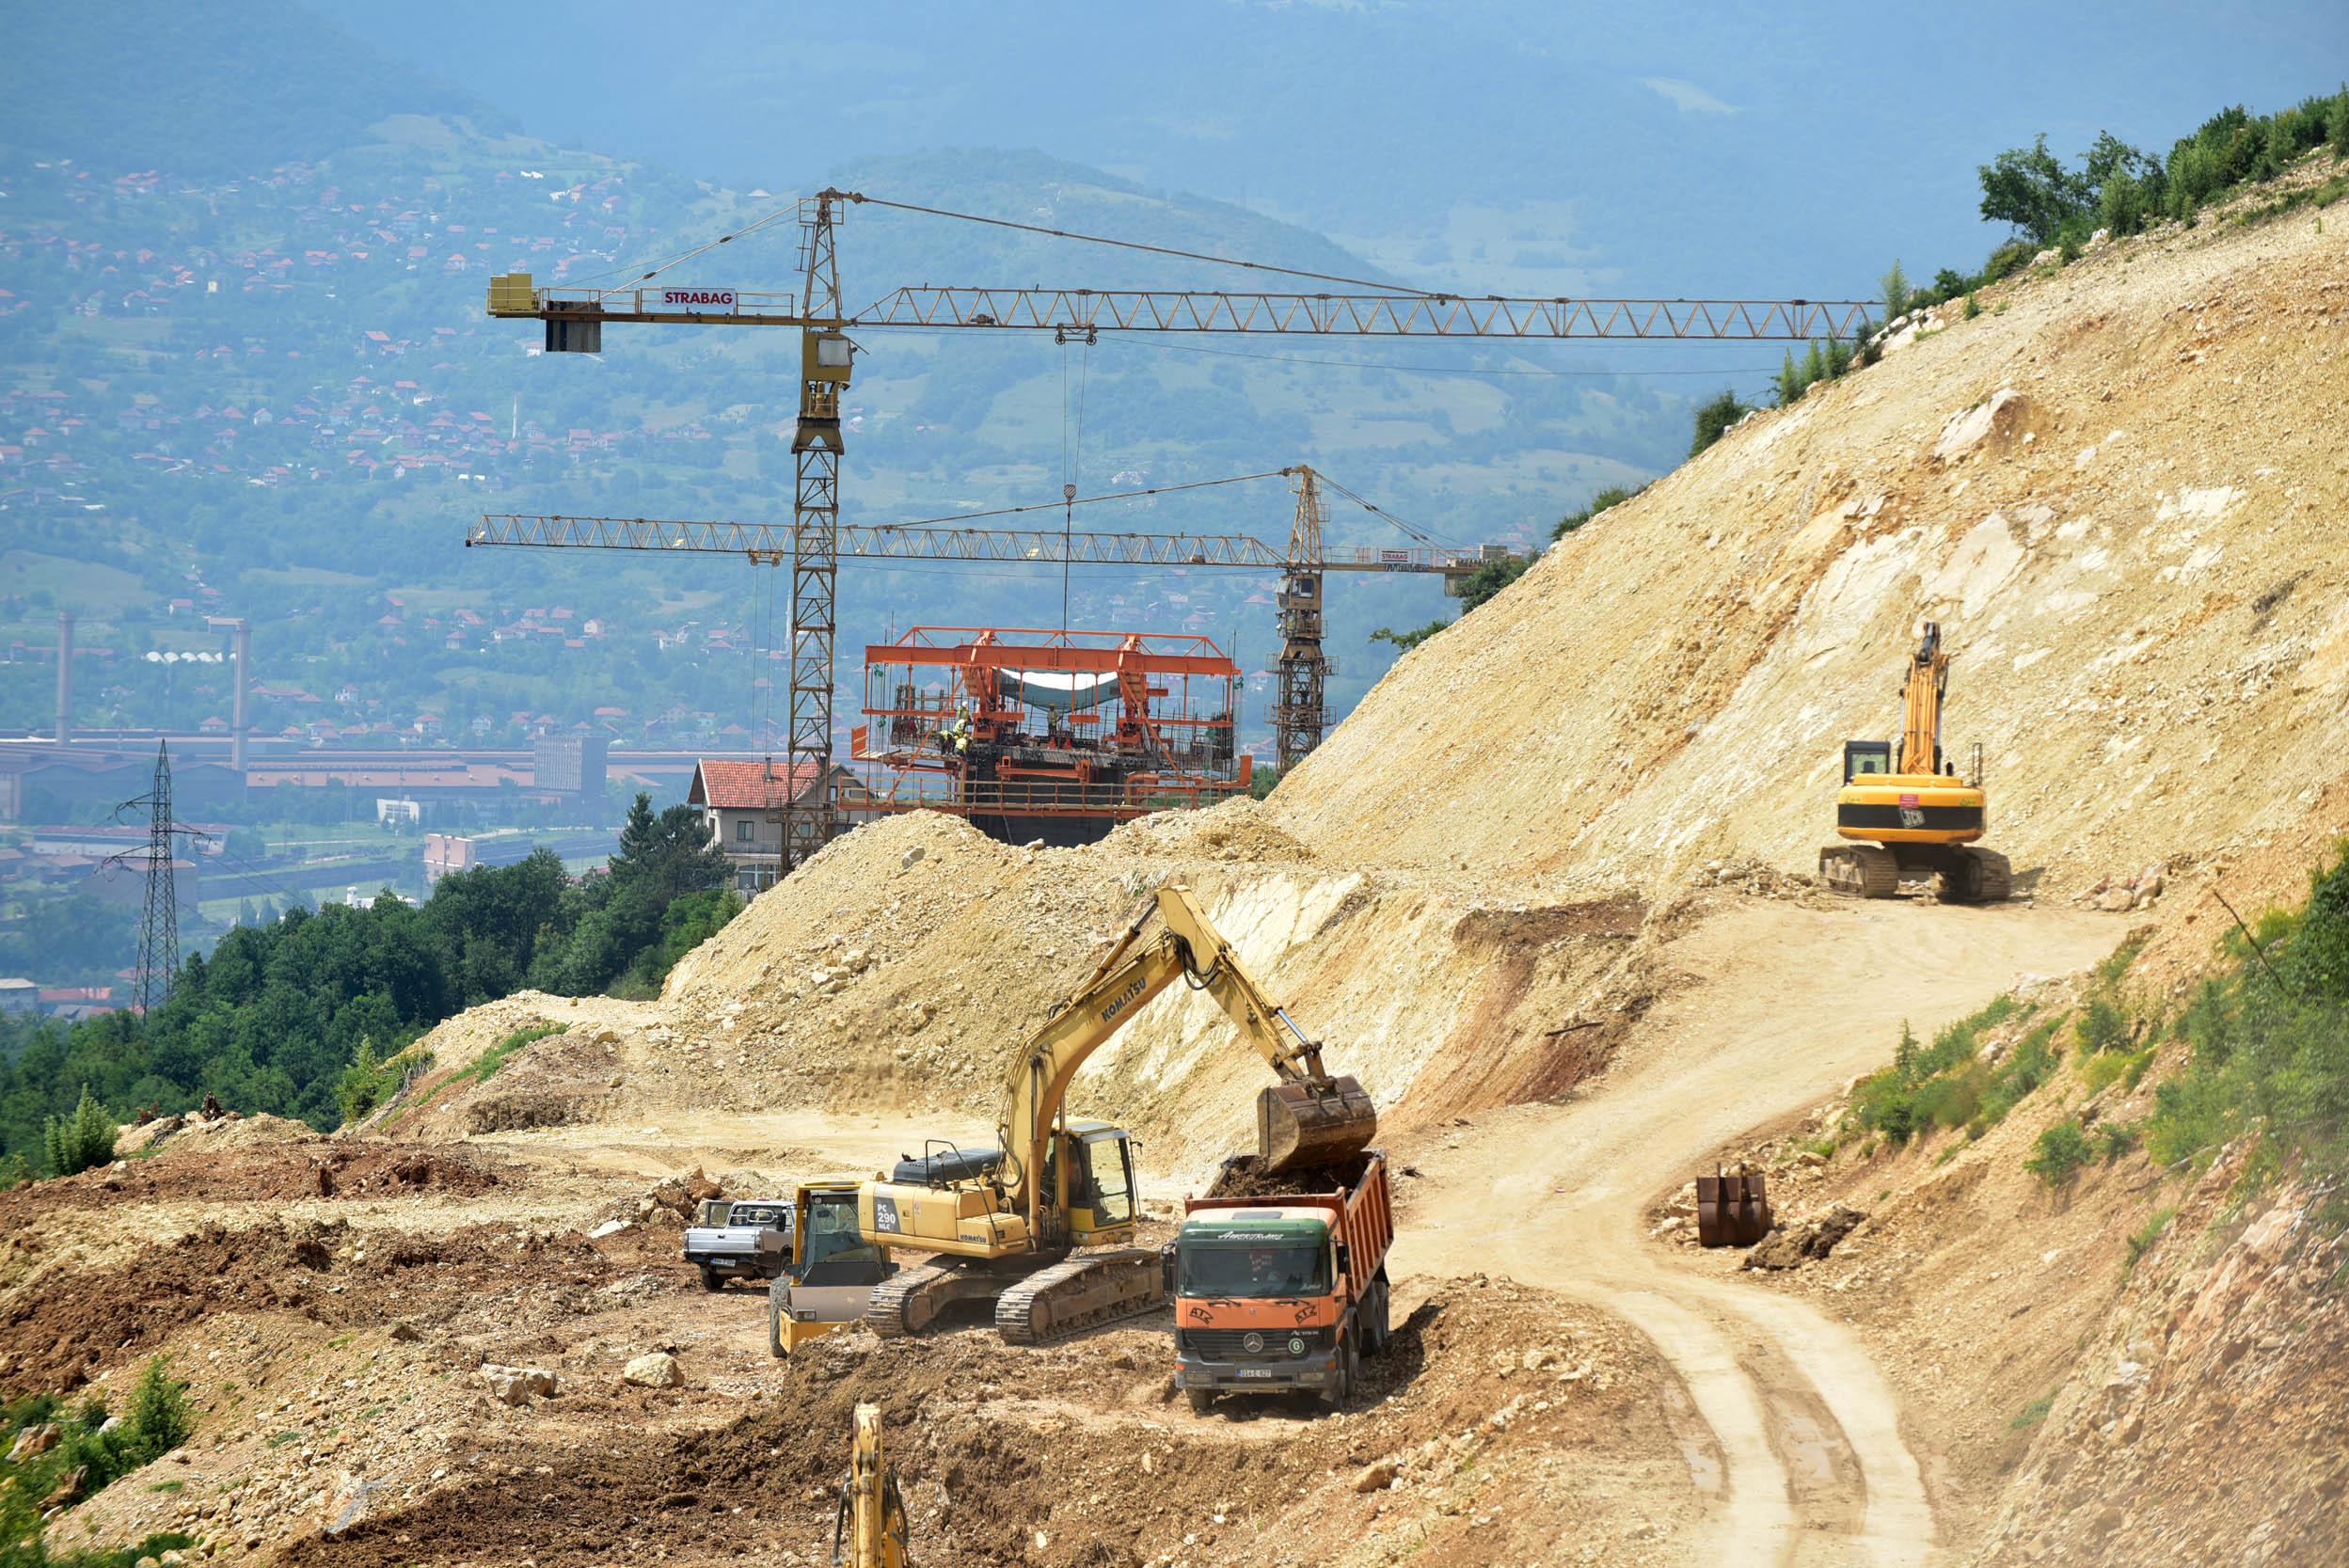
2034	1413
1614	495
2101	1071
2336	123
485	1065
2141	1239
1489	579
1406	641
2100	1025
2007	259
2114	1139
2058	1155
82	1140
1714	419
1973	305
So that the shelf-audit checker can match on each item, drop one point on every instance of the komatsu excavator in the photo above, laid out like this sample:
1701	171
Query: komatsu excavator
1911	815
1006	1223
868	1528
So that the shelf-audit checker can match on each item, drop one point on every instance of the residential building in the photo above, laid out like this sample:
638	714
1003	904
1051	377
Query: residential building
742	803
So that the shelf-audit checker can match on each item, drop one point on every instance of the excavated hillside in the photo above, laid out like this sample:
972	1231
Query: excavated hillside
2118	489
1536	894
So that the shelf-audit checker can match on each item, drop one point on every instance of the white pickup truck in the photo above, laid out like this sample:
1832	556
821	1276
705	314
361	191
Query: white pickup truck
739	1238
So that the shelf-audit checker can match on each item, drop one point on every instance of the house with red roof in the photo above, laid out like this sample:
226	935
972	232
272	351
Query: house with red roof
739	798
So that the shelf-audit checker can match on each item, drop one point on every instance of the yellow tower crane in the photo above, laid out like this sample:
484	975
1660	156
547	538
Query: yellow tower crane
574	320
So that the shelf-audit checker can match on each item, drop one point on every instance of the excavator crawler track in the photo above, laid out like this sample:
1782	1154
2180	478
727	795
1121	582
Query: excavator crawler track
908	1301
1986	878
1861	870
1098	1288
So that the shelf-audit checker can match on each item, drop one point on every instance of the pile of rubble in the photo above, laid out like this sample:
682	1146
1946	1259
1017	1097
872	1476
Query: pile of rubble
2119	895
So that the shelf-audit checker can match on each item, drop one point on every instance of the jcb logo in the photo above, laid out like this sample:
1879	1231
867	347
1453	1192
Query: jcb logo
1912	817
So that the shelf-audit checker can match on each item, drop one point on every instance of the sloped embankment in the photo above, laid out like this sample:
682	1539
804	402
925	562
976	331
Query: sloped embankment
2120	491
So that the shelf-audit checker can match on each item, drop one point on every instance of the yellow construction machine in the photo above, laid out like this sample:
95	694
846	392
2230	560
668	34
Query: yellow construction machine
1910	815
830	1278
1006	1223
868	1528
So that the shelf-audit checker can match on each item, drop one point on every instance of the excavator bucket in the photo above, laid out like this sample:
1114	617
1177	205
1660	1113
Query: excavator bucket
1732	1210
1313	1124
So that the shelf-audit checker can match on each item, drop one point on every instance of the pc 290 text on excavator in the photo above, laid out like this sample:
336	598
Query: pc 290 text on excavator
1007	1224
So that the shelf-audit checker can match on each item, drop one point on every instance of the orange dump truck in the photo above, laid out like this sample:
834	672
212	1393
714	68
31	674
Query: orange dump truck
1277	1289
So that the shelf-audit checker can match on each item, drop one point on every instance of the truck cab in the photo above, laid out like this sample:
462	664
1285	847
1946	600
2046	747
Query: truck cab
740	1239
1282	1294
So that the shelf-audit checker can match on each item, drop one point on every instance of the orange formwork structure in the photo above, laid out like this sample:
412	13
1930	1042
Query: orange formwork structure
1056	735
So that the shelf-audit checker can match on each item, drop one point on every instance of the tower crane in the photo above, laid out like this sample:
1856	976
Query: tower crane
1300	712
574	319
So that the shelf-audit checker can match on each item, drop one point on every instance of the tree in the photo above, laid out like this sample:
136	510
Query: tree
1896	286
2030	188
1489	579
1714	419
78	1142
1790	384
1406	641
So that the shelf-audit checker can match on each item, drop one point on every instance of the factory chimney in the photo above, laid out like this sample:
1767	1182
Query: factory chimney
64	677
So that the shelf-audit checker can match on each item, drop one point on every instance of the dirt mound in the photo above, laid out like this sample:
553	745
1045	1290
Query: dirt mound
2143	583
1245	1175
1240	829
1484	1393
270	1172
76	1321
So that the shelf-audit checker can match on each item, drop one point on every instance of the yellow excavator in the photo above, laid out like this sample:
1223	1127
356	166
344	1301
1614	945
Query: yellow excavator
1911	814
1005	1224
868	1528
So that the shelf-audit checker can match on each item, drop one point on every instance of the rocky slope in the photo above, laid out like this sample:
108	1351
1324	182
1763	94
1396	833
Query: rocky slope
2118	489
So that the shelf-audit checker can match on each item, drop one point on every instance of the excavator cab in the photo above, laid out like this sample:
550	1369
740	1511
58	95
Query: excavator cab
1100	1184
1866	757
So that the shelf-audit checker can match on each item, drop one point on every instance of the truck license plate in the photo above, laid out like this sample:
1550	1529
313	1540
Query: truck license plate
1256	1372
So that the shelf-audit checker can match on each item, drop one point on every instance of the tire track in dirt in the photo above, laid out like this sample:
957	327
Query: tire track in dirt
1785	1004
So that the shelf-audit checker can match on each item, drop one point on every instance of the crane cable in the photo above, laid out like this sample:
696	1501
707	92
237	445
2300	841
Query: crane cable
1151	249
757	223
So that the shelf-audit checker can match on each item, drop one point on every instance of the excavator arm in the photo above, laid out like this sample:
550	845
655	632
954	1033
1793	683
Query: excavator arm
869	1529
1308	1116
1922	695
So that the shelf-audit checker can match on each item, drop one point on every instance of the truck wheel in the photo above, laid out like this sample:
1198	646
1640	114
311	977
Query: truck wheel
711	1279
1340	1393
1377	1328
1202	1399
778	1293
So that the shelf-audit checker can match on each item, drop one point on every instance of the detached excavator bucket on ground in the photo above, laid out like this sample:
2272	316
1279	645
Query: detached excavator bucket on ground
1732	1210
1303	1124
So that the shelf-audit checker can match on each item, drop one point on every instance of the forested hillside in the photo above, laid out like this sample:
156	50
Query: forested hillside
259	382
275	1017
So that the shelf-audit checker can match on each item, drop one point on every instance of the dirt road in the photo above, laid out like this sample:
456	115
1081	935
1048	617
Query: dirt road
1813	1466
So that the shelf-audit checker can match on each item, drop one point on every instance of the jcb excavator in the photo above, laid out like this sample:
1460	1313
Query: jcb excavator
1006	1222
868	1528
1912	816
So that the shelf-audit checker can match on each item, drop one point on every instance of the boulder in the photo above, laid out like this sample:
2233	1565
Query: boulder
1790	1248
516	1385
1376	1476
657	1369
34	1440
